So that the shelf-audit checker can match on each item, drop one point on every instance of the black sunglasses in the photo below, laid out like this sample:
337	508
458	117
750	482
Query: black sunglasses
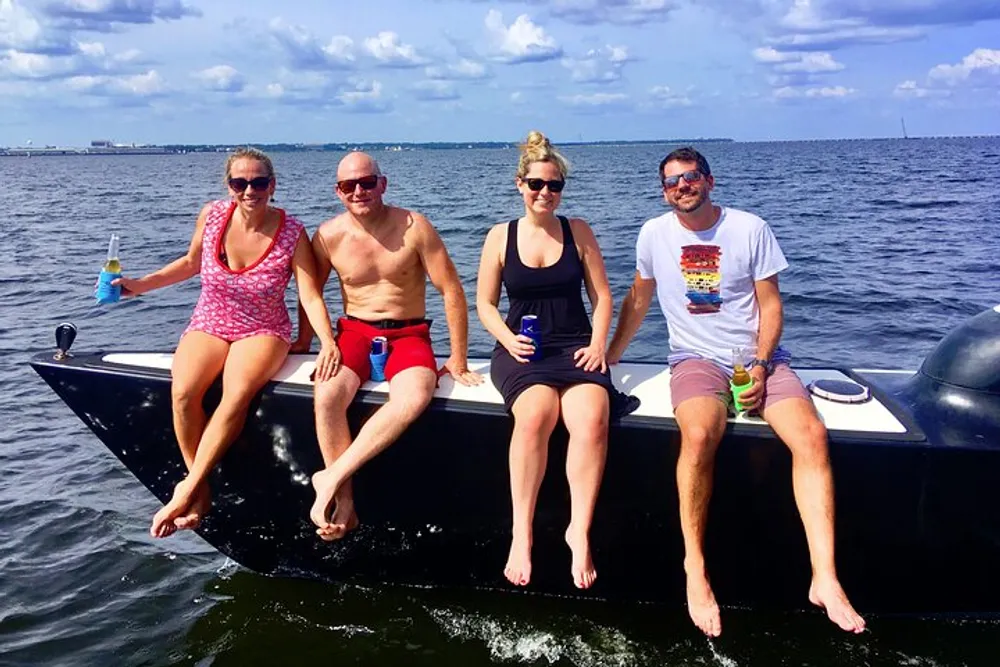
366	183
258	184
692	176
536	184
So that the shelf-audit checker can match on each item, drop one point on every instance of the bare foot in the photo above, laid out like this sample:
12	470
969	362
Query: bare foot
582	568
518	569
326	485
827	594
702	607
344	520
180	505
199	508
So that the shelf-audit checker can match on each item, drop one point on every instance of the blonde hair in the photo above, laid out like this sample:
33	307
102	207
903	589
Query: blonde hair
251	153
537	148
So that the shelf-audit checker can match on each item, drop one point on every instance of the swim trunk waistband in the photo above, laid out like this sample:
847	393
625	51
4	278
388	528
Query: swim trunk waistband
390	324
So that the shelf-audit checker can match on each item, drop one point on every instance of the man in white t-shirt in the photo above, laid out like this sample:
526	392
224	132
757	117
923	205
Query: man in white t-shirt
715	274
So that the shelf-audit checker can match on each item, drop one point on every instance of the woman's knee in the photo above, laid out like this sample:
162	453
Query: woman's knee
536	419
187	396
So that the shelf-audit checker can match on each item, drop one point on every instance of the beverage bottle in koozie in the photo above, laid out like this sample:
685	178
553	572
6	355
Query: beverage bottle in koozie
106	292
741	378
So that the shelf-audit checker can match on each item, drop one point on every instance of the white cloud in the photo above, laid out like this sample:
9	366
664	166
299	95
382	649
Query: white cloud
797	61
388	51
980	61
366	96
306	52
790	92
222	78
912	90
434	91
613	11
663	96
137	85
595	99
463	69
522	41
602	65
21	30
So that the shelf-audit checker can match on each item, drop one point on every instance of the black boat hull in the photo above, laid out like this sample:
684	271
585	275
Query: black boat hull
917	524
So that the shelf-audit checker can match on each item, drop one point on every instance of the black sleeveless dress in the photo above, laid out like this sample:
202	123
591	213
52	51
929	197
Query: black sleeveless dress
555	294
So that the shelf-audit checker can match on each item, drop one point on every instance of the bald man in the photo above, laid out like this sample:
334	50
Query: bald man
383	256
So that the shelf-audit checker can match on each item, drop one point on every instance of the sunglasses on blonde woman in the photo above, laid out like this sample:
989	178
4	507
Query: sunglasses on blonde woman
536	184
366	183
258	184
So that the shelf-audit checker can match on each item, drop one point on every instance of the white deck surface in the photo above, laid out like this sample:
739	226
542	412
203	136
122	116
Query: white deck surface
651	383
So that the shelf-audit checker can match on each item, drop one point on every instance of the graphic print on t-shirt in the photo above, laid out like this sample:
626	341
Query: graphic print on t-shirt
700	266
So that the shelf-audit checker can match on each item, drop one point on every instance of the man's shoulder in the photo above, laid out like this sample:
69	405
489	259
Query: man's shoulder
659	222
745	218
333	226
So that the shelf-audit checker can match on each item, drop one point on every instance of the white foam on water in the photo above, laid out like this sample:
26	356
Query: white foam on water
513	641
720	659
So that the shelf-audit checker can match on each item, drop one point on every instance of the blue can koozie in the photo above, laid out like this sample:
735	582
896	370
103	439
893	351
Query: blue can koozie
378	356
106	292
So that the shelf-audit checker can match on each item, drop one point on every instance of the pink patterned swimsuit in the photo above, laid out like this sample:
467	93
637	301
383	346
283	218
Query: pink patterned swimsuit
251	301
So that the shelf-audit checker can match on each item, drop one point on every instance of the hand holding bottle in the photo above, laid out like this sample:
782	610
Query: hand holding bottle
108	287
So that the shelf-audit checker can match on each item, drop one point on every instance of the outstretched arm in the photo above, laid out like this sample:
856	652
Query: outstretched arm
442	274
176	271
634	309
595	278
311	302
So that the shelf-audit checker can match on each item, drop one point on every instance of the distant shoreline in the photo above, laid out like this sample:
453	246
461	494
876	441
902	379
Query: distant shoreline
379	146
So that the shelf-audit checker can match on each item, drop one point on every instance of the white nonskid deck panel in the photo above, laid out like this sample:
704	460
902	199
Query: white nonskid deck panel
651	383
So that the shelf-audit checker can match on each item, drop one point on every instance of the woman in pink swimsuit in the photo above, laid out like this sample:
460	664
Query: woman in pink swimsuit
246	251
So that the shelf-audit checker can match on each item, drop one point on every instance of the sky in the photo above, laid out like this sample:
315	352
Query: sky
319	71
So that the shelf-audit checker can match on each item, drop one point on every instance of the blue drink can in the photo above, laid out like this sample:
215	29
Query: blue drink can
530	328
378	356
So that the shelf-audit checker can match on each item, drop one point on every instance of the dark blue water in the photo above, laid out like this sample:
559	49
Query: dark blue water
891	245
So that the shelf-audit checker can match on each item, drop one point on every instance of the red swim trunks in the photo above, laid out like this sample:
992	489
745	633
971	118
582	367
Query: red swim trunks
409	346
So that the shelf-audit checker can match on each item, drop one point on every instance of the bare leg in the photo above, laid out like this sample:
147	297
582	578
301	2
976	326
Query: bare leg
702	421
332	399
198	360
797	424
410	391
536	411
250	364
585	413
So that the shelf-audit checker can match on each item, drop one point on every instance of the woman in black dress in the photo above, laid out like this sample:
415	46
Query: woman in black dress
543	260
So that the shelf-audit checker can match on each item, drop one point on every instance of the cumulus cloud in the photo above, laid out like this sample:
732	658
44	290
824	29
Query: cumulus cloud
304	50
149	84
21	30
88	58
790	92
463	69
595	99
663	96
434	91
365	97
104	15
522	41
912	90
222	78
981	62
612	11
389	52
602	65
